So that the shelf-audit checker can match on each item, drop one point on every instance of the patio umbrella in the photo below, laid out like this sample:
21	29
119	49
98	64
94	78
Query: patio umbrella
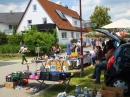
122	34
94	34
121	23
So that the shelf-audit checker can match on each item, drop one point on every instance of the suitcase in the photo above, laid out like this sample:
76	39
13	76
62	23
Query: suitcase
44	75
56	76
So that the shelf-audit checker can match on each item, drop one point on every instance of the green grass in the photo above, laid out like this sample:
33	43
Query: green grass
82	81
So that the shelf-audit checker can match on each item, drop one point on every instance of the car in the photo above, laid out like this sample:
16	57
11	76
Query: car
118	67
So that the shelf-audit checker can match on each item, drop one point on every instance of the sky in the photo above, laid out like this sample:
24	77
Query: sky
118	8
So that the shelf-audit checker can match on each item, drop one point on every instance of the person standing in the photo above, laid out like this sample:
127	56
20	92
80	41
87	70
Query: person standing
70	46
23	51
78	46
93	42
56	50
103	43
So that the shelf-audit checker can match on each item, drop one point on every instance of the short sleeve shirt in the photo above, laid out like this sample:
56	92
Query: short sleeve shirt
69	51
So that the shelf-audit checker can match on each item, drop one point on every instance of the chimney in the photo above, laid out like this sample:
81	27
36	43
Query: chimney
60	3
11	11
66	6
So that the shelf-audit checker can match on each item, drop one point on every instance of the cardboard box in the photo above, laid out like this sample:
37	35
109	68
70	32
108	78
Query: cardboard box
58	68
53	68
10	85
111	92
65	63
65	68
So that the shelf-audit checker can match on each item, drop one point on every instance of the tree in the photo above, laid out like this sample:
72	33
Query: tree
100	16
44	40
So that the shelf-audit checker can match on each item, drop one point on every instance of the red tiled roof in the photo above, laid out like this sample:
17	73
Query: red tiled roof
50	8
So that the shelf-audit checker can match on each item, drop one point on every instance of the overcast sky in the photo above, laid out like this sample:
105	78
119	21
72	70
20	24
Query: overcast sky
118	8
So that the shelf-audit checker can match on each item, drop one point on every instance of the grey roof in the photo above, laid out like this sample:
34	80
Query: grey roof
11	18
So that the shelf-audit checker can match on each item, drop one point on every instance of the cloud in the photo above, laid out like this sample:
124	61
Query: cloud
14	7
87	7
118	9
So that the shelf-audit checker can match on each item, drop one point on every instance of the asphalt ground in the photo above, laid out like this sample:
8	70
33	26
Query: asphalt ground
7	67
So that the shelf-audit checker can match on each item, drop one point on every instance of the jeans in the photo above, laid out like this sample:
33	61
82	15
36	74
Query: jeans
97	70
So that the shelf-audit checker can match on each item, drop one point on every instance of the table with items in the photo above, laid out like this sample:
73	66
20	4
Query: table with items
20	78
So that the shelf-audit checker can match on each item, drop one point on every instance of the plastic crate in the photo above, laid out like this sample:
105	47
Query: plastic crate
16	75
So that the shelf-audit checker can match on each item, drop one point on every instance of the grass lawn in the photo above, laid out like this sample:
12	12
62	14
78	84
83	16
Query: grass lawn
83	81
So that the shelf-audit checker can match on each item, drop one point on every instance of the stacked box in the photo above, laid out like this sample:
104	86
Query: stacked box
111	92
10	85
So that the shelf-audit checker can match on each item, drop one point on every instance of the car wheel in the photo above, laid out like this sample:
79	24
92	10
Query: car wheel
121	83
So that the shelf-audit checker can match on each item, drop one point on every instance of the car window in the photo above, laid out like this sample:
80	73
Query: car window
116	44
122	57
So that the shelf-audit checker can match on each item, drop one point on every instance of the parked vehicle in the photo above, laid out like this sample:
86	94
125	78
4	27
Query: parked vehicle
118	67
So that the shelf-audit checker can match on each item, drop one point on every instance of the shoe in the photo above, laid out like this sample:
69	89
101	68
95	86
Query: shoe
92	77
95	82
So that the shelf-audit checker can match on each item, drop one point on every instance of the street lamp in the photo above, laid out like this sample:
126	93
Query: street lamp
81	48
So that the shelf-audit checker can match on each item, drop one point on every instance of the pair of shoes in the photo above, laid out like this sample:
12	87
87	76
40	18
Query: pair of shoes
92	77
95	82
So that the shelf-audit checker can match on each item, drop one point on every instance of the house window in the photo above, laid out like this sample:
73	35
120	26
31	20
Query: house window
77	35
64	35
62	16
75	22
72	34
29	22
44	20
34	7
10	27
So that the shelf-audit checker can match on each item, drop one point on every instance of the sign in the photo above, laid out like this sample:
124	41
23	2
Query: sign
37	49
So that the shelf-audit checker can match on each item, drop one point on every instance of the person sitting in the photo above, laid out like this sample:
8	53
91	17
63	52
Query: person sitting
103	64
97	56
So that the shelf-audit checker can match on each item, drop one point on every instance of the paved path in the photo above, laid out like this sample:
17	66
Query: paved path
6	67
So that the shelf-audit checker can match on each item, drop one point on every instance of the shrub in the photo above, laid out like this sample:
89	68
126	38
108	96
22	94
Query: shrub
8	48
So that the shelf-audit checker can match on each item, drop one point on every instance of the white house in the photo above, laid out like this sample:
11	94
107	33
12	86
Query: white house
46	12
8	20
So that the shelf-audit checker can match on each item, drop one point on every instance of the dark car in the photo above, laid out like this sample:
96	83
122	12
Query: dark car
118	67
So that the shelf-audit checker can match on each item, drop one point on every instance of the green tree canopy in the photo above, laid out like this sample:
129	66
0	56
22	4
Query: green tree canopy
100	16
44	40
